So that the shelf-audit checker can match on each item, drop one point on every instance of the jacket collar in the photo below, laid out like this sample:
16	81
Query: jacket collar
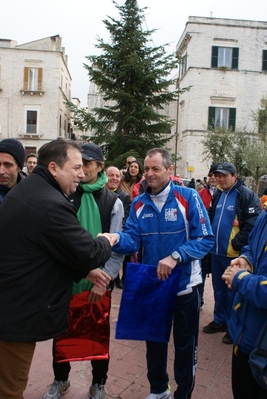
42	171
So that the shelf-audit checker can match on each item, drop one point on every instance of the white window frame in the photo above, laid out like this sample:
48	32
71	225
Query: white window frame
37	110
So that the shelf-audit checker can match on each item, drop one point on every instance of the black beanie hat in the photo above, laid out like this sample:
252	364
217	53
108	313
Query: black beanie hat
213	168
14	148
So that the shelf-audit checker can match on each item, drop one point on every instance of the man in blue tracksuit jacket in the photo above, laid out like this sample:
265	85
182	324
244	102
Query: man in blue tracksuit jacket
249	311
234	211
173	227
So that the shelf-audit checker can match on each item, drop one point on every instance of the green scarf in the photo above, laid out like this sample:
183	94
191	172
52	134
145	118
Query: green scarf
89	217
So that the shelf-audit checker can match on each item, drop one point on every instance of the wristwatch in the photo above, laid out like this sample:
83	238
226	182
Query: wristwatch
176	256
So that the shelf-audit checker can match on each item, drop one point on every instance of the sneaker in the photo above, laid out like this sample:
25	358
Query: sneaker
163	395
57	389
213	328
96	391
227	339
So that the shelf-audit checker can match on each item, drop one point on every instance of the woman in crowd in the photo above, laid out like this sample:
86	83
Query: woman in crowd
133	175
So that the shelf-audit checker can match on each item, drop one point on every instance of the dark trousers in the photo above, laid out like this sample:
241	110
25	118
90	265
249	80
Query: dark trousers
185	336
127	258
99	370
223	296
244	386
206	270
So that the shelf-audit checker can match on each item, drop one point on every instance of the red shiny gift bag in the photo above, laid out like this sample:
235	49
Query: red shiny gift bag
87	337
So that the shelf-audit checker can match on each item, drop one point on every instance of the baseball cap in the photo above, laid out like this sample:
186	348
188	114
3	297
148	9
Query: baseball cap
226	168
92	152
14	148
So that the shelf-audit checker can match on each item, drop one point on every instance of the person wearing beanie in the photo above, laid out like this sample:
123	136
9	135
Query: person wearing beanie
12	156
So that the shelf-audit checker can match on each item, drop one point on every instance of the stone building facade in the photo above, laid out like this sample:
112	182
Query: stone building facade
225	63
34	78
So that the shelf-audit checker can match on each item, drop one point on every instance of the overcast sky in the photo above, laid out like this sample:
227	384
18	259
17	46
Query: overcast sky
79	23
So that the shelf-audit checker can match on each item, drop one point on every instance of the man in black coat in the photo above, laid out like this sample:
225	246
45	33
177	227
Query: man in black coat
43	249
99	211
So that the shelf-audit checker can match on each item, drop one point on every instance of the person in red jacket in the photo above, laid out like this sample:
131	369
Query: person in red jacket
263	199
206	195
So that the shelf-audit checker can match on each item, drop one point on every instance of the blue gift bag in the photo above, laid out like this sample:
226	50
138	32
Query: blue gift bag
147	304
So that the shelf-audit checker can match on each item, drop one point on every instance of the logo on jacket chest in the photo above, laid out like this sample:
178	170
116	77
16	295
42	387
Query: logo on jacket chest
147	215
171	214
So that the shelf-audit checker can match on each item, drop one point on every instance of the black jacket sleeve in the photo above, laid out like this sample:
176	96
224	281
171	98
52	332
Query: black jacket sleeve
69	243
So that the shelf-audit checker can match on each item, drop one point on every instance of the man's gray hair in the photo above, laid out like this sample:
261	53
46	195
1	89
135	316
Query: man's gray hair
166	156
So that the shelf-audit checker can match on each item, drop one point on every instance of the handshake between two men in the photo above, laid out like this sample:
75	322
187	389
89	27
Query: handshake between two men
97	276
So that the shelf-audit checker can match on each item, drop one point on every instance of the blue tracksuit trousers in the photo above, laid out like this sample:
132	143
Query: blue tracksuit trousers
185	336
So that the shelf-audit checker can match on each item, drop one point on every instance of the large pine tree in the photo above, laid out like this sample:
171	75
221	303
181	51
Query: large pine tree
132	75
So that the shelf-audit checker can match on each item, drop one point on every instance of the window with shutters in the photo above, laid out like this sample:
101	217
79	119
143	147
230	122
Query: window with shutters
222	117
226	57
264	60
33	80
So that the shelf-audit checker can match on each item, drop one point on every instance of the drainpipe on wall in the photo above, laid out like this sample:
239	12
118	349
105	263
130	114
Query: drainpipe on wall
177	124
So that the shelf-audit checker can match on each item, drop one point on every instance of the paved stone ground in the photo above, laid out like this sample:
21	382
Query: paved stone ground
127	373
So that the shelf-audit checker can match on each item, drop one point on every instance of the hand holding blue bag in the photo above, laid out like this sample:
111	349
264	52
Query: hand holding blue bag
147	304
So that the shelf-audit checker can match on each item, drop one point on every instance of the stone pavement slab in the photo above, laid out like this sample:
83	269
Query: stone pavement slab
127	371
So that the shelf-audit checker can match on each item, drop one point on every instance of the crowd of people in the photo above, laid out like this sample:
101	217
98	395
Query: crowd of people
75	225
